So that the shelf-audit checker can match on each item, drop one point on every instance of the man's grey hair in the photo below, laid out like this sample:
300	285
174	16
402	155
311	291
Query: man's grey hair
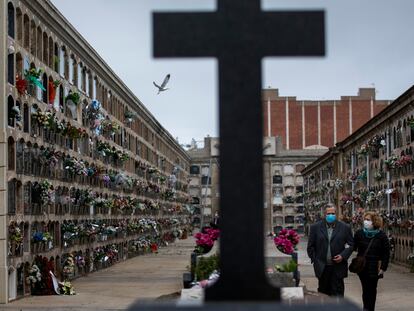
330	205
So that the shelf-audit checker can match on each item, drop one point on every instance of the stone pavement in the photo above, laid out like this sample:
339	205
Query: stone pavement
140	278
395	291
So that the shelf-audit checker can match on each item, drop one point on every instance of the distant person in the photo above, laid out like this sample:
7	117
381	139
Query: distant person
216	220
329	246
376	258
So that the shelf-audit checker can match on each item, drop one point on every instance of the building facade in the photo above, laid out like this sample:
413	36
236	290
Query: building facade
304	124
371	170
88	175
203	186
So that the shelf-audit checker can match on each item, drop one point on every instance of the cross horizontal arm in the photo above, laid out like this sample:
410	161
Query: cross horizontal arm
185	34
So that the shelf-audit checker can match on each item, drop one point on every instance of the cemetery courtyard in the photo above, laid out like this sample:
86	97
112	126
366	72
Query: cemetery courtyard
158	277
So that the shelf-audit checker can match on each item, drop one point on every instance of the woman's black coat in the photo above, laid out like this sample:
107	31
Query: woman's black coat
378	252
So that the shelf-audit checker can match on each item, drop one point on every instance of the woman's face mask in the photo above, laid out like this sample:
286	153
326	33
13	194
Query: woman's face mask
368	224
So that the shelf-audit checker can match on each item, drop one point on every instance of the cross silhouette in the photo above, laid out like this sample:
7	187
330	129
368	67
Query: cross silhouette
239	35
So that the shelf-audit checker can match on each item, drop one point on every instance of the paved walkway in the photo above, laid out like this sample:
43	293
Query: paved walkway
395	291
139	278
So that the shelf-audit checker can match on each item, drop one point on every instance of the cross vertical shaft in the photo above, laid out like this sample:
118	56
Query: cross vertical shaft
239	35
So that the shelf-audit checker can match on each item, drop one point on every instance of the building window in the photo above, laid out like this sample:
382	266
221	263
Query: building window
205	180
10	69
289	220
194	169
10	20
79	80
39	48
277	179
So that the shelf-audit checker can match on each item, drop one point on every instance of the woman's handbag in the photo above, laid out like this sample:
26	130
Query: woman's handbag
358	263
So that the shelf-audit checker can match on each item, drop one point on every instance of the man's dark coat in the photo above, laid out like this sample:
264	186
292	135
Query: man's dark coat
342	243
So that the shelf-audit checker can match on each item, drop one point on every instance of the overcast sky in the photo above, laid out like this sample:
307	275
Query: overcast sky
369	42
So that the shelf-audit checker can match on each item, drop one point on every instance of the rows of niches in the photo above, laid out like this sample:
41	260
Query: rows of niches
88	176
287	196
374	173
319	190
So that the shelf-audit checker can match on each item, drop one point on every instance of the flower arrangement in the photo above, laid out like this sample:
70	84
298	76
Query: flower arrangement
52	87
129	116
287	241
362	176
66	288
74	132
363	150
205	241
339	183
46	191
40	118
15	234
32	77
110	127
390	163
75	166
379	175
72	98
289	199
34	275
410	122
68	266
21	85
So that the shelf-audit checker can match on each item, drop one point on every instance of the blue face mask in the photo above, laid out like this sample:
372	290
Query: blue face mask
330	218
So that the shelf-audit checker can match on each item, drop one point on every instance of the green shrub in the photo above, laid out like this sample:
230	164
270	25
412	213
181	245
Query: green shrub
205	266
287	267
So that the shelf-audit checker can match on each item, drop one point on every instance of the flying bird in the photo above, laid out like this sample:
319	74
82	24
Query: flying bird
163	88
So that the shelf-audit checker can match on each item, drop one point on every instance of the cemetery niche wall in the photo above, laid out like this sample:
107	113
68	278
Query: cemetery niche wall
91	175
371	170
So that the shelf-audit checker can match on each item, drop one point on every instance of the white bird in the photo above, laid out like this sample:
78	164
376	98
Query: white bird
163	88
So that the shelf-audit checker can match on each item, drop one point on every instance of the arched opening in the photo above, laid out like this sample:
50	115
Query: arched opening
26	32
26	122
19	65
45	48
11	155
11	197
56	58
62	65
33	37
39	43
45	86
19	24
10	111
51	52
61	99
10	20
10	68
20	156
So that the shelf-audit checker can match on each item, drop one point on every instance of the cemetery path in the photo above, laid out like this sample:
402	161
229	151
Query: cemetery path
115	288
395	291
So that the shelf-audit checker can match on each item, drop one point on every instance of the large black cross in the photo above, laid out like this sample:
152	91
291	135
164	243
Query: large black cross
239	35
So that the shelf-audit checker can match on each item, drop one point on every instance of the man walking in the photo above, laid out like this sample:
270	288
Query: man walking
329	247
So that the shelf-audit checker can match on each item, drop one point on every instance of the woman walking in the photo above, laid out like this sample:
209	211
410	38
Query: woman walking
371	237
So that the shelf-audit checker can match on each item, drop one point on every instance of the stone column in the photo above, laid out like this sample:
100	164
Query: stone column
3	159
